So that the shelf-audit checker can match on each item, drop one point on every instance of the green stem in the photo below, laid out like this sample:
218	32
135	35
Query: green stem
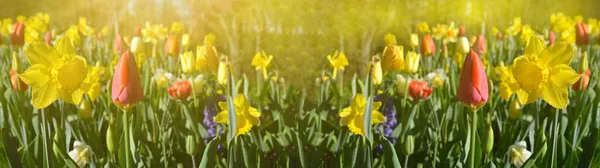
45	138
554	138
126	134
406	160
473	138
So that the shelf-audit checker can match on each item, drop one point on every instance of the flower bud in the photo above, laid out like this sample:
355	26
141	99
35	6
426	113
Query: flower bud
180	89
126	84
462	30
582	34
414	40
48	38
462	45
473	87
408	146
18	34
479	46
137	46
514	110
551	38
85	110
112	140
16	82
488	141
376	71
190	145
585	78
120	46
427	46
172	46
412	62
185	40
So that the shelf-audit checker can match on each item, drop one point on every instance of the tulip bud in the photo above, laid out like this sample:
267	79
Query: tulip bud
18	34
198	84
583	63
488	140
551	38
582	34
48	38
16	82
172	46
137	46
414	40
112	140
138	30
376	71
427	46
408	146
119	45
514	110
126	85
462	31
190	145
393	58
180	89
401	84
412	62
585	78
85	110
462	45
16	62
479	46
473	86
499	36
185	40
419	89
223	71
444	51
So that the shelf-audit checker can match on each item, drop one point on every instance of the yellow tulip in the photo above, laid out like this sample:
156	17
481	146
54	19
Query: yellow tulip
545	72
338	61
223	71
261	61
187	62
246	116
55	72
414	40
207	55
353	115
137	46
376	71
185	40
393	56
412	62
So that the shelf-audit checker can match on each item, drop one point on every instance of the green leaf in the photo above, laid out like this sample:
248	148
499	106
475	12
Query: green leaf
531	161
589	149
231	118
300	149
368	117
210	154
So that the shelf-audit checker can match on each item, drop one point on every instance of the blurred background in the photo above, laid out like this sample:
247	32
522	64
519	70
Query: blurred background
299	33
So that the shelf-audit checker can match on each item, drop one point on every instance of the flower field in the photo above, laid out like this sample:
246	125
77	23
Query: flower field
449	93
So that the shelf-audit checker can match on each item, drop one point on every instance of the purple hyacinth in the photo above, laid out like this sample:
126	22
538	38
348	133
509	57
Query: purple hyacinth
389	111
210	111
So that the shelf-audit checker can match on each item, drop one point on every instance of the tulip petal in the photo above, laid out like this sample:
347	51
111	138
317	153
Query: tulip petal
559	53
42	97
534	46
563	76
555	96
65	46
37	75
42	53
222	117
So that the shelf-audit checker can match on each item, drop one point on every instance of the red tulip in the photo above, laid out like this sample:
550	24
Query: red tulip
172	46
180	89
582	34
427	46
126	85
120	45
585	77
48	38
473	86
462	31
551	38
18	34
419	89
479	46
17	83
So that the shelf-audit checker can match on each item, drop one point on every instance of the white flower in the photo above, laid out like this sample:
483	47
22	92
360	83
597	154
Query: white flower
162	78
437	77
81	153
402	84
518	153
462	45
136	45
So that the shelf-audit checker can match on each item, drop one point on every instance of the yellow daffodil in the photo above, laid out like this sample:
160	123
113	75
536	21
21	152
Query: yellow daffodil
187	62
437	78
162	78
592	25
495	31
84	28
207	58
451	34
412	62
6	28
153	33
73	34
176	28
91	85
508	85
246	116
338	61
54	73
526	33
423	27
261	61
515	28
545	72
353	116
439	31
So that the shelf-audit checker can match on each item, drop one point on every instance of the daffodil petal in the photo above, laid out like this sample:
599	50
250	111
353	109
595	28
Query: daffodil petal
377	118
559	53
345	112
37	75
534	46
73	97
526	98
42	97
41	53
376	105
65	46
254	112
242	126
223	105
72	74
563	76
557	97
222	117
357	125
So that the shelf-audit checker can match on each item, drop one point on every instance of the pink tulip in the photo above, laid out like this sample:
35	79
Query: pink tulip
479	46
48	38
126	86
473	86
120	45
551	38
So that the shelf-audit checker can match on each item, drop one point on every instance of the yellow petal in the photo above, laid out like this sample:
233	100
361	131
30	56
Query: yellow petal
345	112
252	120
557	97
535	46
242	126
73	97
37	75
44	96
526	98
528	73
357	125
563	76
559	53
65	46
41	53
346	120
376	105
240	101
254	112
72	74
222	117
377	118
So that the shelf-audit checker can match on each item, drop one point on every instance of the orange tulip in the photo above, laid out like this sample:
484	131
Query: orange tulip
18	34
427	46
17	83
120	45
551	38
126	85
585	78
582	34
479	46
473	86
172	46
48	38
419	89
